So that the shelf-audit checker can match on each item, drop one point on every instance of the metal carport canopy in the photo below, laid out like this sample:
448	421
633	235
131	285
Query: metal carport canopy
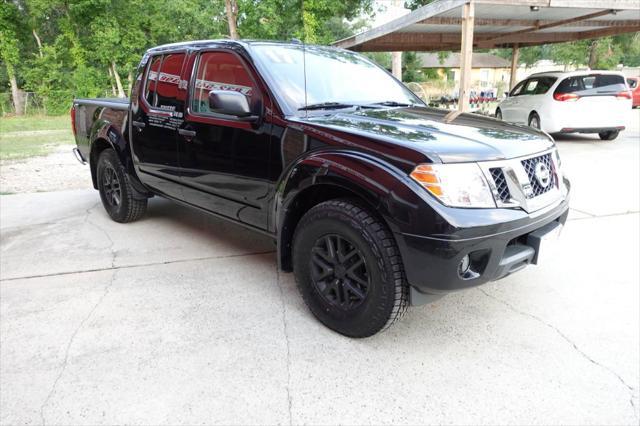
446	25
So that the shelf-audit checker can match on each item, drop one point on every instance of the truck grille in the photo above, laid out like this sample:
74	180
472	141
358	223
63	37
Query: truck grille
537	188
502	190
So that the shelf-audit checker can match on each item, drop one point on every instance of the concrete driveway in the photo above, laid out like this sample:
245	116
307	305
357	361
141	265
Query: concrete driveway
184	319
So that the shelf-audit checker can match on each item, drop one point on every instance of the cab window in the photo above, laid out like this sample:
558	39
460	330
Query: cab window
152	77
220	71
167	94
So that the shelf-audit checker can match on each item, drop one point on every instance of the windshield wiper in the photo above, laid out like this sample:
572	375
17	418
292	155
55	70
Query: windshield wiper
392	104
325	105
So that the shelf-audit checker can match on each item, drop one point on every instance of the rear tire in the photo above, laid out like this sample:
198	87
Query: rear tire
609	136
499	114
534	121
348	269
115	188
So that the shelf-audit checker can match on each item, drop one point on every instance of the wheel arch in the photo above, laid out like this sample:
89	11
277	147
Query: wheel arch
98	145
105	135
305	200
331	176
532	113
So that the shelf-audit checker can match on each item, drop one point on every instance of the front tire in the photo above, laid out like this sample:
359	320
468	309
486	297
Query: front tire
116	192
499	114
348	269
609	135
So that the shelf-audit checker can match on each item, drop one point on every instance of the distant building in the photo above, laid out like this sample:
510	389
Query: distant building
487	70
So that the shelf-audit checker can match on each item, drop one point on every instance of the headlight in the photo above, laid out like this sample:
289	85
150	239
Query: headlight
456	185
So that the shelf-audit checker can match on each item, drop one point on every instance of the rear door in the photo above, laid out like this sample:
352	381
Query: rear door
225	162
155	120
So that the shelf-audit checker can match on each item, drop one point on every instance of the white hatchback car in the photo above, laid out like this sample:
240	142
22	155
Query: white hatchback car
570	102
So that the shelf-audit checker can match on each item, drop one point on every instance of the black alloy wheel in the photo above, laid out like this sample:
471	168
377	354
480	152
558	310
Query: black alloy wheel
121	201
348	268
111	185
339	272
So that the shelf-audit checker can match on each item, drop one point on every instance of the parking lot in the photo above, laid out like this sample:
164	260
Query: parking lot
182	318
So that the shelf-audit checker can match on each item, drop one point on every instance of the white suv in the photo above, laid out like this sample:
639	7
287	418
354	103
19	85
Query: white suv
571	102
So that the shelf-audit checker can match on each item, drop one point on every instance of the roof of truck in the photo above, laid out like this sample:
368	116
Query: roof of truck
224	41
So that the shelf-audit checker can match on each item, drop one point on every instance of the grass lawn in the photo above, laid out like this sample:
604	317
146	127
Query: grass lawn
23	137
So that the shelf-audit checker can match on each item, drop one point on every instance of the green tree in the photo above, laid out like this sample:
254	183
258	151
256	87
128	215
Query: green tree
11	38
412	68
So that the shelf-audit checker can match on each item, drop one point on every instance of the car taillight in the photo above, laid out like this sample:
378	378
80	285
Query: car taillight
625	94
72	112
562	97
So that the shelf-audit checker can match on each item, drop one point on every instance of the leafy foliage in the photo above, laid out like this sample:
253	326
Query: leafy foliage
412	68
62	49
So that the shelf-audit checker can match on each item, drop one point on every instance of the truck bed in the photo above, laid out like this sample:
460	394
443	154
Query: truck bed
115	103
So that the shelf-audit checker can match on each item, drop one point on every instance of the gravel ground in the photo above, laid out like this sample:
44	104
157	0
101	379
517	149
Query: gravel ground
55	172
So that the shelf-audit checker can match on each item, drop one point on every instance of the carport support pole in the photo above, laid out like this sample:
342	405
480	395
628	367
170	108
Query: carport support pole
515	56
466	52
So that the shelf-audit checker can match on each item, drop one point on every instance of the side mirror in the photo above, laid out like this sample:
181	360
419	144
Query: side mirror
231	103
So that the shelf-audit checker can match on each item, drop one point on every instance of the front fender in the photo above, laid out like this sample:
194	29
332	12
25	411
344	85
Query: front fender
385	189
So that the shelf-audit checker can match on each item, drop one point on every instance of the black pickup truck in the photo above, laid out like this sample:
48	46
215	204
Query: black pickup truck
375	200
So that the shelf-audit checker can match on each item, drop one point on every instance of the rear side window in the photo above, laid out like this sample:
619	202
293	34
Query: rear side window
152	77
592	85
168	96
220	71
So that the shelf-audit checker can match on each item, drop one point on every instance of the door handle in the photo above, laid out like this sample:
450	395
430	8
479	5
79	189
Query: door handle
187	133
138	124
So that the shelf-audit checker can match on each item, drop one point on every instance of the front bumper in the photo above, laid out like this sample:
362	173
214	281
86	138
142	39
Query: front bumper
431	262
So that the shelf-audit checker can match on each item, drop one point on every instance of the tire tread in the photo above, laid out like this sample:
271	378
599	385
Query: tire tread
361	218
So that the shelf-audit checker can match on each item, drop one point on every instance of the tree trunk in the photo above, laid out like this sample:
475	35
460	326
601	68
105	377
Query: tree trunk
16	93
396	57
38	41
113	86
232	16
593	55
118	81
130	81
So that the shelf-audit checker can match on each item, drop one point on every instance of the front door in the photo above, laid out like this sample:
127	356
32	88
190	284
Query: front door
225	163
509	106
155	120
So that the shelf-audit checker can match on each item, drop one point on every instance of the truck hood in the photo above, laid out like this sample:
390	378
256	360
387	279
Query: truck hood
468	138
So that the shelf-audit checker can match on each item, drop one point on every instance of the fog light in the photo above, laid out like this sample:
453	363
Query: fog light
463	266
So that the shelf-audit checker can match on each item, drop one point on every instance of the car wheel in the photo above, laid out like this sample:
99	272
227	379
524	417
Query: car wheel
534	121
116	191
348	269
609	136
499	114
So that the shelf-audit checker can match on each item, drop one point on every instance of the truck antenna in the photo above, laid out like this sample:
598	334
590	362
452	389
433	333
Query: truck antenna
304	71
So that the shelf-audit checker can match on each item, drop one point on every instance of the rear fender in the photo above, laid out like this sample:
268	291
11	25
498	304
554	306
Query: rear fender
105	131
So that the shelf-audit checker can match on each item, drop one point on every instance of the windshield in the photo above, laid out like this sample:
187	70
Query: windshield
333	77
